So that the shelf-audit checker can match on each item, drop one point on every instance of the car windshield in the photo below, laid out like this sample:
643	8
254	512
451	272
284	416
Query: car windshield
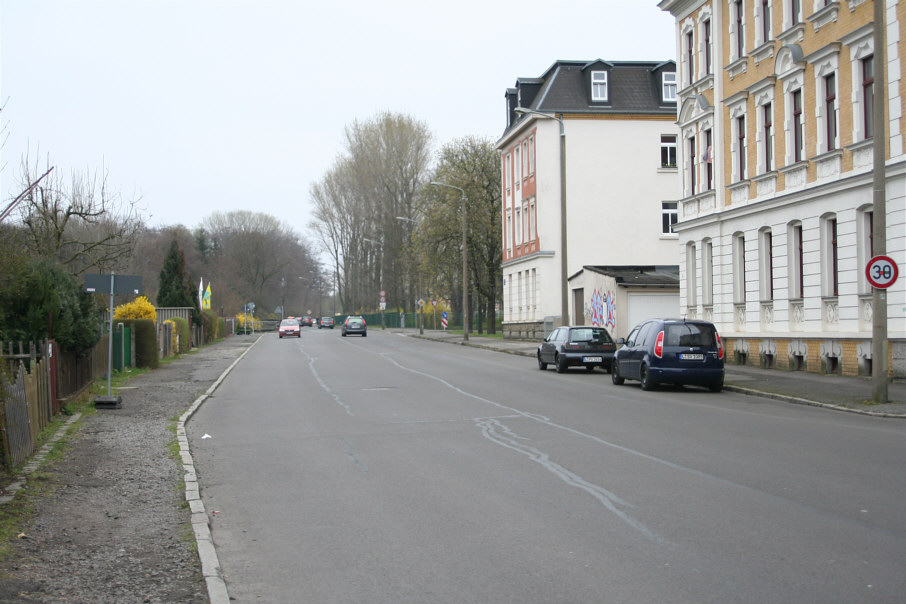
355	322
593	335
288	322
690	334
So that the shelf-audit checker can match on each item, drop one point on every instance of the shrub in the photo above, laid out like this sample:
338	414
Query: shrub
181	327
144	331
140	308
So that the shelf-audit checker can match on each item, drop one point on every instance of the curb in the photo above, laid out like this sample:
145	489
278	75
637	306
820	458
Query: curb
730	388
207	553
36	460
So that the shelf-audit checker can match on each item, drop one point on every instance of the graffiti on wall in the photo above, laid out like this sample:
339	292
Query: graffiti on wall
602	309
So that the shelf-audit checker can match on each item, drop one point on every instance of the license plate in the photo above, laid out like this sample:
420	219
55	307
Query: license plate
591	359
686	356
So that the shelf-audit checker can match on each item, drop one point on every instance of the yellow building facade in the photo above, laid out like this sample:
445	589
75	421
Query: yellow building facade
776	154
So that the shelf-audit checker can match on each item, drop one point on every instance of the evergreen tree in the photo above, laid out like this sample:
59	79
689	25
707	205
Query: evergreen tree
176	288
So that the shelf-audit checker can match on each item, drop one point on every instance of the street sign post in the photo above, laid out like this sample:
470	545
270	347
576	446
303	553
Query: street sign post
881	272
112	284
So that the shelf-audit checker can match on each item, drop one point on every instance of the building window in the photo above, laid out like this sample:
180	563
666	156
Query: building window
709	161
526	234
830	110
768	136
798	126
796	11
508	232
739	30
531	155
830	257
508	166
599	85
690	57
518	222
691	277
868	95
706	34
707	272
668	86
739	268
765	20
517	165
668	150
741	147
766	254
669	216
866	248
692	181
797	262
532	220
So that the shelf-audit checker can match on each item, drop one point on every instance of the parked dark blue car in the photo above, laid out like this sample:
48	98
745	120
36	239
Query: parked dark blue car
671	351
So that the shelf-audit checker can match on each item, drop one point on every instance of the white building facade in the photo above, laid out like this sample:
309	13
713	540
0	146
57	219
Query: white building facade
618	124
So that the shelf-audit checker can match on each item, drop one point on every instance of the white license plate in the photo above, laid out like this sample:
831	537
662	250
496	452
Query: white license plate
685	356
591	359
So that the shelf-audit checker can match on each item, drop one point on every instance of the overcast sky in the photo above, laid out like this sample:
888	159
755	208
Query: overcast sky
200	106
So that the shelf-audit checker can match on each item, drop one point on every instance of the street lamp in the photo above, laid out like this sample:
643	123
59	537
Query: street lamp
564	286
381	244
465	263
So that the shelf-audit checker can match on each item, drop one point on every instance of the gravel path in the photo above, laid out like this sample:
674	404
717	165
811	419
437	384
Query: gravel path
116	526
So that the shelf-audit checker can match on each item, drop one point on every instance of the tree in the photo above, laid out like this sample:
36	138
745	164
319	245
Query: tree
43	300
473	165
176	288
82	225
374	183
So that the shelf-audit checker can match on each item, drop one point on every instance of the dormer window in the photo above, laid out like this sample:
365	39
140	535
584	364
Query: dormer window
668	86
599	85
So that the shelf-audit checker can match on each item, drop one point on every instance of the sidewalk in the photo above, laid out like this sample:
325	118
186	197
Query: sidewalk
852	394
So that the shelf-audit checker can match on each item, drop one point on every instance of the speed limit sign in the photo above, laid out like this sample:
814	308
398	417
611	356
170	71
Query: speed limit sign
881	272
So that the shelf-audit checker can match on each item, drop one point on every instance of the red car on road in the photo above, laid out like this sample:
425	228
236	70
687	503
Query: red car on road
289	328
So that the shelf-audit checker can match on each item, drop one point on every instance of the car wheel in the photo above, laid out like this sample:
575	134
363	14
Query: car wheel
561	364
541	364
716	387
344	334
615	376
364	334
645	378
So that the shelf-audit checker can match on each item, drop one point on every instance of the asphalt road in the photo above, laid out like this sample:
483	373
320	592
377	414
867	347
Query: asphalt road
392	469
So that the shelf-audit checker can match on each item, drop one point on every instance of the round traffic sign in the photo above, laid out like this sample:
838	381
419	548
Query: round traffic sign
881	272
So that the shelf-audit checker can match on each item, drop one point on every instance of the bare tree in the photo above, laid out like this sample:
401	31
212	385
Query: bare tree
81	224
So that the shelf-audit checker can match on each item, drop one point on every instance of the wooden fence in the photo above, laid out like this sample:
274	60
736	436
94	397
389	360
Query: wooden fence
28	403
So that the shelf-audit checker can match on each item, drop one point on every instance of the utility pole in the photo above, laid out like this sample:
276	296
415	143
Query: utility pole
879	344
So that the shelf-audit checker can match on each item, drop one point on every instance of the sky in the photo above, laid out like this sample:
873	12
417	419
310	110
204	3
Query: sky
194	107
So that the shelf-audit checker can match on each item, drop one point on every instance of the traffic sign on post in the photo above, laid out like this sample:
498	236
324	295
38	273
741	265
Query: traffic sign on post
881	272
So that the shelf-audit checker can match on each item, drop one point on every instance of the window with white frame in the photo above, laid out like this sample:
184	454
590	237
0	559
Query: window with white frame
691	169
532	216
689	45
830	275
531	155
518	223
707	272
795	12
797	132
708	159
706	46
826	98
868	96
737	30
668	86
766	268
669	216
517	165
795	260
763	9
691	277
526	233
739	128
668	150
508	167
599	85
739	268
737	105
865	230
508	232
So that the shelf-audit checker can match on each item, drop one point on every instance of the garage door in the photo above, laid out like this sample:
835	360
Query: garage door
648	305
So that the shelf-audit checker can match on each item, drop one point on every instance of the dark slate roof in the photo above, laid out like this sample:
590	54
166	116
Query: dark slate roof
666	275
634	87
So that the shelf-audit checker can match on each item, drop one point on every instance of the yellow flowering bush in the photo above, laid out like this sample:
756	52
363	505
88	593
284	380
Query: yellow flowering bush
140	308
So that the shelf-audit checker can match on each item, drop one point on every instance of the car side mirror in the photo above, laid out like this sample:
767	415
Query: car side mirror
621	341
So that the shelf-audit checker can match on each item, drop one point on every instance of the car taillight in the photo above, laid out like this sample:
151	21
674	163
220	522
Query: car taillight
659	345
720	346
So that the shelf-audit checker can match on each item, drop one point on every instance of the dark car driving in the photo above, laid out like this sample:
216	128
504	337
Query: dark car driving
584	346
671	351
354	325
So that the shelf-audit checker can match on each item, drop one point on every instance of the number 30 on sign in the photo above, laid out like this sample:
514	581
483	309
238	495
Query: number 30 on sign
881	272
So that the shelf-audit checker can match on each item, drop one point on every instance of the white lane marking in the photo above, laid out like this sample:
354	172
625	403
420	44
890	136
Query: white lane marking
325	387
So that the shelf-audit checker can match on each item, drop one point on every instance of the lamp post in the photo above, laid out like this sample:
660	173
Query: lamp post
381	244
465	262
418	285
564	285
